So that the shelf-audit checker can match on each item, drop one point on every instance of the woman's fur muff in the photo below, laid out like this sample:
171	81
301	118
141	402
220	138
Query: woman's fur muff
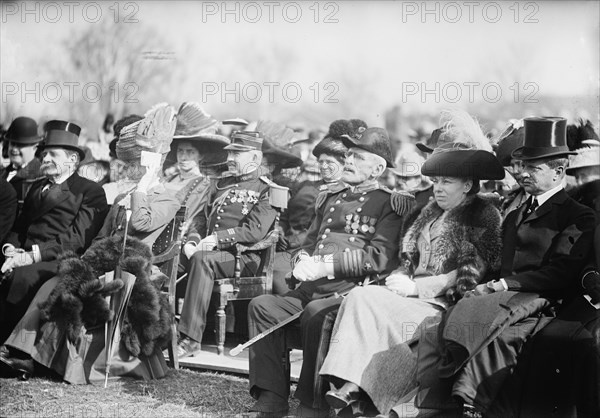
470	242
79	297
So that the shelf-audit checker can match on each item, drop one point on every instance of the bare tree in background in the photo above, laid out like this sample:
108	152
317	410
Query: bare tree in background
128	61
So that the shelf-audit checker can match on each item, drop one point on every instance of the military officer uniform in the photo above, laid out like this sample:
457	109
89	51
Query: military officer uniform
240	213
360	228
295	222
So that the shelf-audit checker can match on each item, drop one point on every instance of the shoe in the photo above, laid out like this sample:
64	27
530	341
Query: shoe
469	411
304	411
20	368
4	351
339	399
187	348
269	405
268	410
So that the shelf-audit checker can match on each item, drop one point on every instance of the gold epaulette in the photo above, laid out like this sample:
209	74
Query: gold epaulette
402	202
269	182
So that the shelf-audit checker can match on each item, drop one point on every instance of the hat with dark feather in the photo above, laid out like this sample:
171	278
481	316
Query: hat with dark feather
465	152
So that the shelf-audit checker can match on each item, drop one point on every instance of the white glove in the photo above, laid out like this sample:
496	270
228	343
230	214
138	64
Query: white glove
401	284
189	249
309	269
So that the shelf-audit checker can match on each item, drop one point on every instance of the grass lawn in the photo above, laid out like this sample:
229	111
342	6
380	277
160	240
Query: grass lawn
183	393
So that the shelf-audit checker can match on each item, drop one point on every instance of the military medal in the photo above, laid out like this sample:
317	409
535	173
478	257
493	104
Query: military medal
372	223
348	223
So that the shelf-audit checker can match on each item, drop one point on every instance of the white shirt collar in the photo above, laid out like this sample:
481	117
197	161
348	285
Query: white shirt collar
542	198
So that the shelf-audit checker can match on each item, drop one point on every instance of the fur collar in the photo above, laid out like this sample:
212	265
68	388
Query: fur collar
470	240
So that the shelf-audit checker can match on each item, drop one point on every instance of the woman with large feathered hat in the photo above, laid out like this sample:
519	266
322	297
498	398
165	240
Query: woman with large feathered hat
449	246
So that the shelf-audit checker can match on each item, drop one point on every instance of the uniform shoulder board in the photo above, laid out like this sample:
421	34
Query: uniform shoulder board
323	195
402	202
269	182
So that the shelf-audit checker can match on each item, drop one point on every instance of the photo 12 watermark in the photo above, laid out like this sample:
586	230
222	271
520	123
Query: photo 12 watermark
269	92
70	91
61	12
269	12
469	92
469	12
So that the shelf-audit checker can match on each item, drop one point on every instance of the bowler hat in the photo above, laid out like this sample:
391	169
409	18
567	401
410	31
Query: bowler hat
23	131
432	142
330	146
454	159
511	139
62	134
544	137
373	140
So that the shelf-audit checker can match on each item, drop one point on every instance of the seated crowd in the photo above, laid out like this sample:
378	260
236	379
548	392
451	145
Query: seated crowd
419	279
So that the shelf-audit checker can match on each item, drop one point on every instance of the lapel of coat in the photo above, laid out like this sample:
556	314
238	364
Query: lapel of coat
55	196
557	199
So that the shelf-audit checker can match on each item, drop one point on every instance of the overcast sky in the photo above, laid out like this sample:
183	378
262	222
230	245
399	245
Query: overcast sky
390	50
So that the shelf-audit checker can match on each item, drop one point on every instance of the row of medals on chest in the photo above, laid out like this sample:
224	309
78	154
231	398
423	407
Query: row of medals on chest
356	222
244	197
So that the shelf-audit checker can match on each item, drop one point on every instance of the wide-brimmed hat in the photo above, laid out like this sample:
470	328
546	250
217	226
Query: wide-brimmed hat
154	133
62	134
239	122
544	137
279	156
194	124
589	156
245	141
458	160
23	131
408	164
373	140
512	138
462	150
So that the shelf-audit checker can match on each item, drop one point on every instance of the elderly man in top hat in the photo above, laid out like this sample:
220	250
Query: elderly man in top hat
24	167
61	212
546	243
239	213
354	235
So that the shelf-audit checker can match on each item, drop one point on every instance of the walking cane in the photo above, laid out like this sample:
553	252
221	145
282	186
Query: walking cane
241	347
108	335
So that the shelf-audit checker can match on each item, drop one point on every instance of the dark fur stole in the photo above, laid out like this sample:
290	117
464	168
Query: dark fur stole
470	242
79	297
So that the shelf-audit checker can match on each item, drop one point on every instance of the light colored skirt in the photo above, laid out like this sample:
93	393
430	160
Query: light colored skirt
373	343
82	362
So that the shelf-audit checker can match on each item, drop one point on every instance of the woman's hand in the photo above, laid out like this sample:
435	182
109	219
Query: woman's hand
401	284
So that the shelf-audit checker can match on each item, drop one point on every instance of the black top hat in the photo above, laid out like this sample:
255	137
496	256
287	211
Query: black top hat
458	160
62	134
373	140
23	131
544	137
280	157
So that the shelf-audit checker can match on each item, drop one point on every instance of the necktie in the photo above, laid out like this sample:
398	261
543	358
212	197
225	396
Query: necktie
46	189
531	207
